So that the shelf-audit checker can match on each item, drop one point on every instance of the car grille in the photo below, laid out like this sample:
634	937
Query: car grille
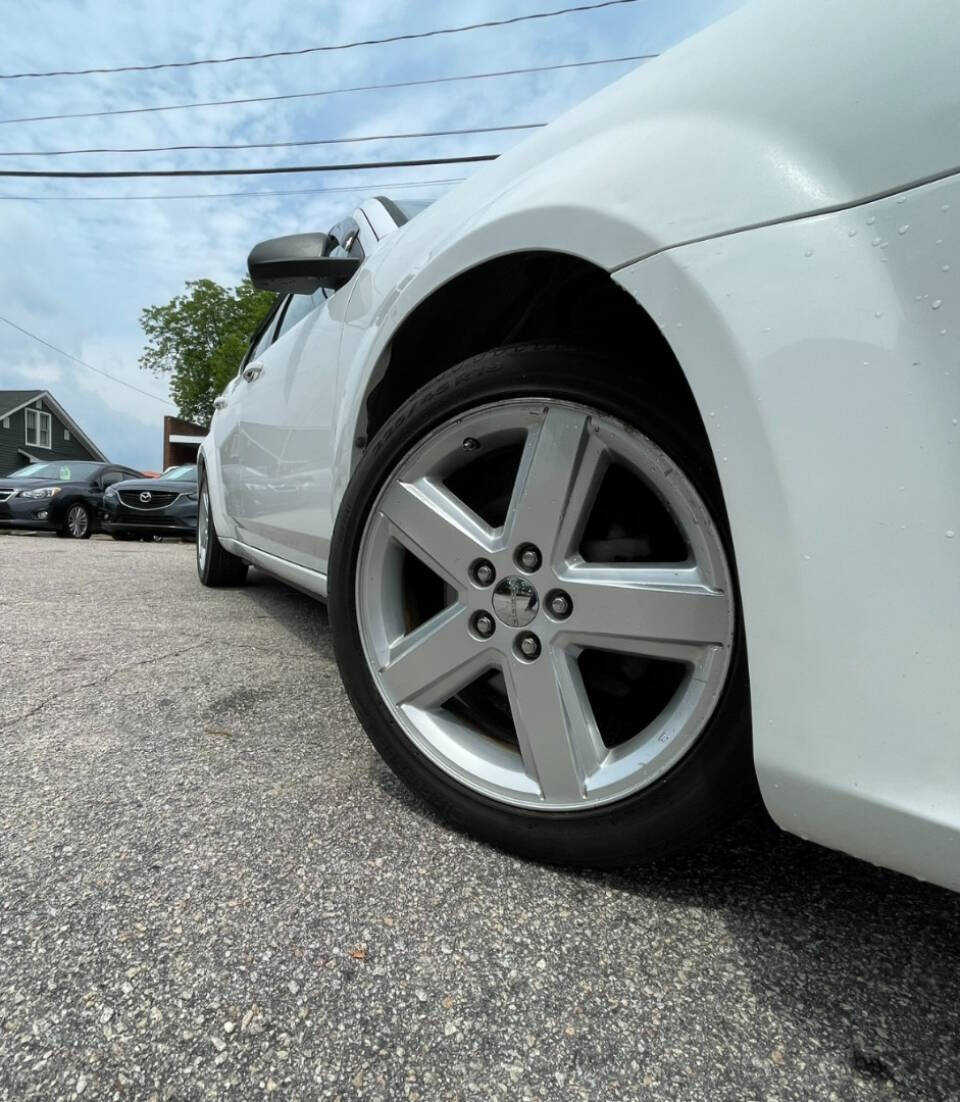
158	498
5	493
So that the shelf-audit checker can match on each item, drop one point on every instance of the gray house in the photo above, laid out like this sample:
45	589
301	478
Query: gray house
34	426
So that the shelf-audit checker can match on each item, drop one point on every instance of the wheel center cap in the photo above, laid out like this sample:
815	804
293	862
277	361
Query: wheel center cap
515	601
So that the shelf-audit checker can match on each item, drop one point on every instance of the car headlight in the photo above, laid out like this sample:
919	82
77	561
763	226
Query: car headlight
44	491
192	497
109	492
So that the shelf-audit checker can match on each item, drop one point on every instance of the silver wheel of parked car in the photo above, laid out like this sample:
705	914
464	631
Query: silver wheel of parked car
203	510
534	608
78	522
470	619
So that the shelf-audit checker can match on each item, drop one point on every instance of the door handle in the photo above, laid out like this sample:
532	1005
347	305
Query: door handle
219	403
252	371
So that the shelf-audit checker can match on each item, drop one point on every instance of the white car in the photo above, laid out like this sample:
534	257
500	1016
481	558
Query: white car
630	469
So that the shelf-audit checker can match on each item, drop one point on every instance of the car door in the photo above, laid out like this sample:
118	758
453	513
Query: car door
238	481
285	422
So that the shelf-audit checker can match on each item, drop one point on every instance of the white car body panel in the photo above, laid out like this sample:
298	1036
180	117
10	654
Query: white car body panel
831	395
728	187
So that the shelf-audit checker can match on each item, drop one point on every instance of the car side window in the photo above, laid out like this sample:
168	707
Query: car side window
265	339
297	309
345	240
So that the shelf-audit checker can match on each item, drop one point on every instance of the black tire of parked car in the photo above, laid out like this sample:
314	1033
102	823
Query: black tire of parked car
79	517
220	568
710	785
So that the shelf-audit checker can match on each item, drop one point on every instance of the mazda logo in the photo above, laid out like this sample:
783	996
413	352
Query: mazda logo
146	496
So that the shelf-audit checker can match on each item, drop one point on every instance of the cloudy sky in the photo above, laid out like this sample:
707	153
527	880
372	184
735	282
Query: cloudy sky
78	273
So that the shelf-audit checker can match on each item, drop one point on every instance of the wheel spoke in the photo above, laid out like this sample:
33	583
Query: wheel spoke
661	612
436	526
558	475
435	660
558	736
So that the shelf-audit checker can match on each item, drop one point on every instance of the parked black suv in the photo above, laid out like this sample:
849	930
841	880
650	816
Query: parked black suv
164	506
63	495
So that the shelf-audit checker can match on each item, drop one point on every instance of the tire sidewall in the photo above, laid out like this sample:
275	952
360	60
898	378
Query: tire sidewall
699	790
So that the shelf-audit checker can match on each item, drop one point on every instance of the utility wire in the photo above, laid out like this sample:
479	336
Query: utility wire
237	194
113	175
83	363
275	145
335	91
323	49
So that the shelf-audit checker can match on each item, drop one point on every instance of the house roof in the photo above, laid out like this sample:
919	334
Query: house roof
13	400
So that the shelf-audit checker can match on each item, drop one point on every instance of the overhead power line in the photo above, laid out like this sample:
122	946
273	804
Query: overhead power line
396	186
353	167
335	91
275	145
83	363
323	49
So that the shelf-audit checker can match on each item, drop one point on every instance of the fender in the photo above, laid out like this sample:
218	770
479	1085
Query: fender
720	135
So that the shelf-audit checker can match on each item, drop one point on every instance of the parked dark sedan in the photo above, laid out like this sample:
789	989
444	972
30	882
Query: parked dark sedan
64	495
164	506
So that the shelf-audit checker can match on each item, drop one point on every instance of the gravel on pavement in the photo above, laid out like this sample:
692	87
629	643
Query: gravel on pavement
211	887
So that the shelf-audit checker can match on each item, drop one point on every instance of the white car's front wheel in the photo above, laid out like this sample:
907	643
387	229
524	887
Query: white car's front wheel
535	610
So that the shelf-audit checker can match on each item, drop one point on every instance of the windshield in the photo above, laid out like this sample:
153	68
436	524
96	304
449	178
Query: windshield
188	472
58	472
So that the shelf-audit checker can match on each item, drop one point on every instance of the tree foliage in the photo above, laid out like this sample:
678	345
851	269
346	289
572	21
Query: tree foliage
198	339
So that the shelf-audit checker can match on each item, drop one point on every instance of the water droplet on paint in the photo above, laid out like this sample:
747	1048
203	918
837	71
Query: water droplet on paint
936	304
945	268
876	241
878	314
851	233
903	229
808	252
950	533
871	219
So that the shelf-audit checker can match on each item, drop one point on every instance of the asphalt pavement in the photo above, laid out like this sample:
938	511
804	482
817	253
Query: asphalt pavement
210	887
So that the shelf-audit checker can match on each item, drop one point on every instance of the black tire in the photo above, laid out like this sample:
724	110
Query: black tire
710	785
220	568
87	524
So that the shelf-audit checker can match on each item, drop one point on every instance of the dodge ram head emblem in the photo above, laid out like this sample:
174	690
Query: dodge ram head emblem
515	601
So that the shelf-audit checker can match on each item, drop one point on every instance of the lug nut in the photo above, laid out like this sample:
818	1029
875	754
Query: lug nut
483	625
529	557
483	572
560	605
528	645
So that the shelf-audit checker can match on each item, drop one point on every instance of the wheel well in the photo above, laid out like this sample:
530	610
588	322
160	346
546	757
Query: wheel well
523	297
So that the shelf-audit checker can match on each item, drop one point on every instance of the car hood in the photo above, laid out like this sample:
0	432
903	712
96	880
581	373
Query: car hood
760	117
174	485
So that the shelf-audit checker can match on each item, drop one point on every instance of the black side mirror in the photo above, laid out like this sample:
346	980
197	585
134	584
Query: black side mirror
295	265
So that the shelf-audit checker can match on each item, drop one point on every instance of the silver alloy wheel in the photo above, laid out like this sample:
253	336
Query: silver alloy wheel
677	612
203	510
77	521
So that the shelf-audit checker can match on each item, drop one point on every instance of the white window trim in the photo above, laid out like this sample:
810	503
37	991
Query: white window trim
37	413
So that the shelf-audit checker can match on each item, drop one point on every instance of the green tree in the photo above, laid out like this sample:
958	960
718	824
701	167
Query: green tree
198	339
